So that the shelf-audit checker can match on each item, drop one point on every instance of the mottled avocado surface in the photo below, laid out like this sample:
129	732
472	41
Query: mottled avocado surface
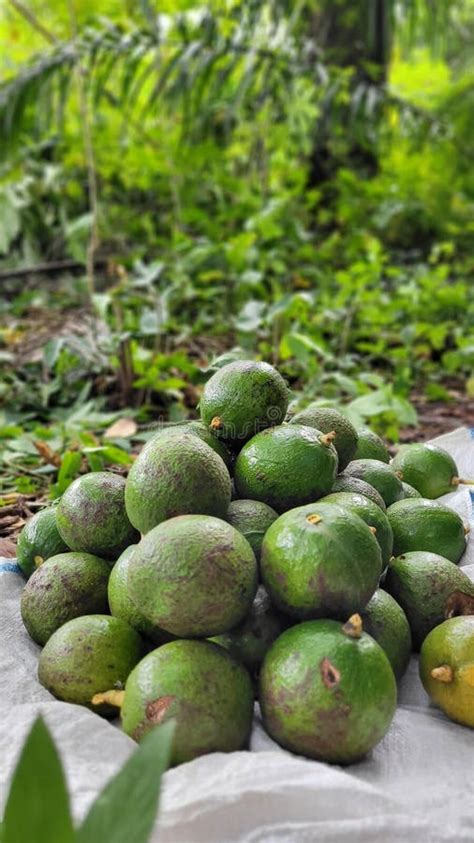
371	514
409	491
121	605
65	587
422	584
243	398
249	641
326	419
370	446
428	468
193	576
39	540
88	656
198	428
286	466
379	475
91	515
325	694
176	474
360	487
199	685
252	519
384	619
420	524
320	561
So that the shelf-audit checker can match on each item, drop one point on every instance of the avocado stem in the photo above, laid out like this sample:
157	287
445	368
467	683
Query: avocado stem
399	474
373	530
216	423
328	438
353	627
112	697
38	561
459	481
313	519
444	673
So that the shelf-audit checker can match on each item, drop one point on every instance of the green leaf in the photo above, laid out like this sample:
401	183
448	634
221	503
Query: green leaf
70	467
125	811
37	810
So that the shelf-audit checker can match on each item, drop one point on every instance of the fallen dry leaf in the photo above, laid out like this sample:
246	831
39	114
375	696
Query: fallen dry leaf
121	429
7	548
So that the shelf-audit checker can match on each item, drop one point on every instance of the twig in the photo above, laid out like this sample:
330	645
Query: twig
33	20
46	268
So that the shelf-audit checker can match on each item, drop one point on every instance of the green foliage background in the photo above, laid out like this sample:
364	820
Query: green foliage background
260	184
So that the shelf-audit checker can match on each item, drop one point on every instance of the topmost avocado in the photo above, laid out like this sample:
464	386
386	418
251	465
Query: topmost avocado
242	398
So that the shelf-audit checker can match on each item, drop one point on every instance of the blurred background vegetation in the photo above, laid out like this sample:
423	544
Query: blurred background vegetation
294	178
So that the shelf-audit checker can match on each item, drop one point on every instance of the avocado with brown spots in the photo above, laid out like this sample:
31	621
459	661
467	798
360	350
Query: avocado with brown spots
198	428
200	686
88	656
176	474
422	583
91	515
327	691
67	586
243	398
286	466
249	641
121	605
320	561
384	619
327	419
39	540
193	576
252	519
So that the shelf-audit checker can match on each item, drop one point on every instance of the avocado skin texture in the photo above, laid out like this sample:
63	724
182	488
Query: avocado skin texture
252	519
193	576
379	475
325	569
326	419
39	537
64	587
428	468
121	605
420	524
371	514
246	397
176	474
198	428
338	724
421	583
370	446
199	685
87	656
359	487
91	515
286	466
409	491
384	619
249	641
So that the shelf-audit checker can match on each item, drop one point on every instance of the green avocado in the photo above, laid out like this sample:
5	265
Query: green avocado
359	487
39	540
91	515
252	519
370	446
371	514
88	656
66	586
200	686
193	576
198	428
121	605
326	419
243	398
326	693
249	641
286	466
409	491
320	561
176	474
428	468
379	475
420	524
421	583
384	619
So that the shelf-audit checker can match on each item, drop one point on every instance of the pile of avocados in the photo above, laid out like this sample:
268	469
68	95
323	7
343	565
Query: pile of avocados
254	554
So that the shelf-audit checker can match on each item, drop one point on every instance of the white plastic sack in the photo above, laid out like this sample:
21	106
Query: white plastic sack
415	786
